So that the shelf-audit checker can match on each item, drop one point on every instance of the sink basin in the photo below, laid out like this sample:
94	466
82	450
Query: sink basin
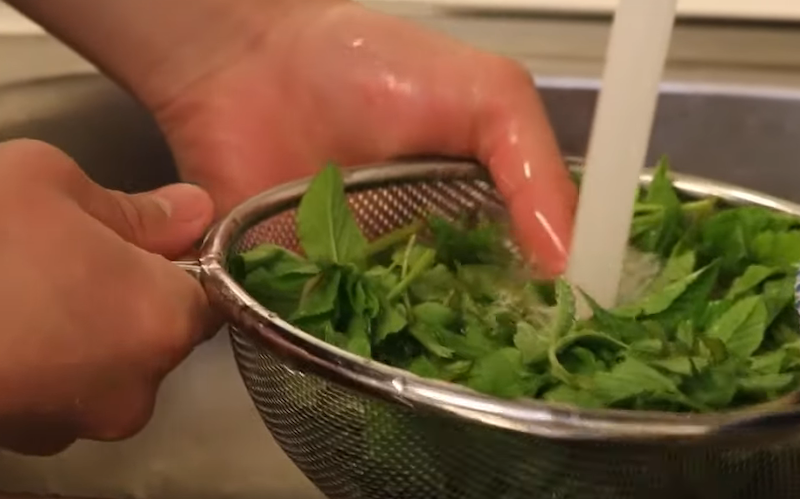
206	440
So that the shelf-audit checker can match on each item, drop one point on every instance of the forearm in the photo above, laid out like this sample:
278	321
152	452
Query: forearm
156	48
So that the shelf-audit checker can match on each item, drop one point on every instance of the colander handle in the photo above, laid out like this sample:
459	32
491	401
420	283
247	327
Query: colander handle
191	267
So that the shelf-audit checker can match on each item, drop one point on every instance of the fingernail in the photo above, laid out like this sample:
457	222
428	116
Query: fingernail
183	202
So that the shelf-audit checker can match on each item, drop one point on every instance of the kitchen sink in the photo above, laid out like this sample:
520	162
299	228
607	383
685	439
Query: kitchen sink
206	439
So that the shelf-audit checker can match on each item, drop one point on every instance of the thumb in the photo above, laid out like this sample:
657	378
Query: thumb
167	221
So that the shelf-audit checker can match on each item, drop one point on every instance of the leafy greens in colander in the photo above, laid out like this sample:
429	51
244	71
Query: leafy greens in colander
710	326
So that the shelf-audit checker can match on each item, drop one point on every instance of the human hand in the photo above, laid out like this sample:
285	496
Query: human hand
93	316
342	83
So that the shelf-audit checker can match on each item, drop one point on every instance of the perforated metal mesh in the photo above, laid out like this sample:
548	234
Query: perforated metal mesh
356	447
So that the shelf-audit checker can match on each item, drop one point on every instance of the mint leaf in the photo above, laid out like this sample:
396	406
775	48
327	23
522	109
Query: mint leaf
436	284
435	314
676	301
742	327
390	320
502	374
778	296
431	337
753	277
358	341
564	394
768	363
763	384
684	366
779	249
629	379
690	304
623	328
319	295
565	310
662	237
716	386
679	266
533	343
326	227
465	243
274	277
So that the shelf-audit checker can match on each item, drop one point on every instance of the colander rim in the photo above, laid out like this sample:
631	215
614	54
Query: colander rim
528	416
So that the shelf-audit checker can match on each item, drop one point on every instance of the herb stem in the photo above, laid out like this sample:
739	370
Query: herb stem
395	237
416	269
699	206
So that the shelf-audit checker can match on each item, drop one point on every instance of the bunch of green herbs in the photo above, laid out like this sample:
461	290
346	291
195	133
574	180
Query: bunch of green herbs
714	329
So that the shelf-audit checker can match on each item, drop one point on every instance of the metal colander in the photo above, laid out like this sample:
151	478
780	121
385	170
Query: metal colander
362	430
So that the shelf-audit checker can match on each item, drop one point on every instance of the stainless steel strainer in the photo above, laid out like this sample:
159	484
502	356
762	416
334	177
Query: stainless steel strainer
362	430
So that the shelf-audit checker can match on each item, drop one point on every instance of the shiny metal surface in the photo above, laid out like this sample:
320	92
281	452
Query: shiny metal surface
305	352
357	428
206	439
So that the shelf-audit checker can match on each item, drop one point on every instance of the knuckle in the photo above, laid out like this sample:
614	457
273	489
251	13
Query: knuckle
131	222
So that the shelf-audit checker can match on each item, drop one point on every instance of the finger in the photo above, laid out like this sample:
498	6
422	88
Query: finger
183	317
167	221
518	145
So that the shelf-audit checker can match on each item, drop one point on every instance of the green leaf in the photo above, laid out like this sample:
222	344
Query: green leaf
716	386
319	295
483	282
753	277
679	266
430	336
358	341
682	365
779	249
474	343
424	367
742	327
502	374
625	329
273	276
689	305
766	383
435	314
326	227
391	320
778	295
649	346
558	370
420	265
664	299
768	363
728	234
427	367
628	379
277	259
662	237
465	243
582	361
437	284
533	343
564	394
565	310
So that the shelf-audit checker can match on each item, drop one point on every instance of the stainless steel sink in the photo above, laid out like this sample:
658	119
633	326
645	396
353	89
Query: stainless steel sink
206	440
